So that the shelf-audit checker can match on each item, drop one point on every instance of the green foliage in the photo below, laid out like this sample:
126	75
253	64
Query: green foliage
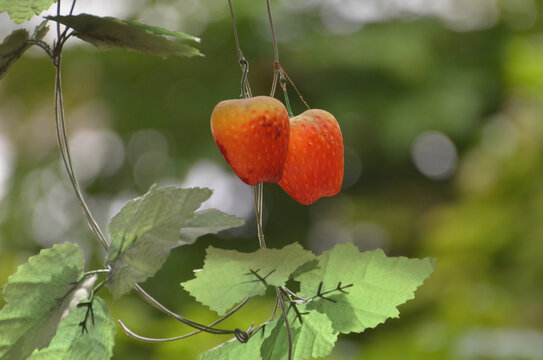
16	44
229	276
37	298
345	290
71	343
233	349
21	10
207	222
312	338
144	234
112	33
147	228
13	47
379	285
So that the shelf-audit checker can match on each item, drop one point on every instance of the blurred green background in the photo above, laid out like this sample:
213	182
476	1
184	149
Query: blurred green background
441	107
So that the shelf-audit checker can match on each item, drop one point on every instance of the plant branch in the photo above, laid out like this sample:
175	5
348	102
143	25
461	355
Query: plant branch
284	78
285	319
63	35
58	24
236	38
96	272
244	64
63	144
157	305
66	158
275	50
62	139
43	45
132	334
293	298
340	288
258	196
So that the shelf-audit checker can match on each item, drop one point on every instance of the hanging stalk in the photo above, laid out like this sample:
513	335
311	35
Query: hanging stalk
278	72
132	334
64	147
275	51
258	190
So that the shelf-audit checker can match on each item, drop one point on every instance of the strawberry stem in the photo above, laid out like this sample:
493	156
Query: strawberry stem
245	91
275	49
258	191
285	94
245	88
283	81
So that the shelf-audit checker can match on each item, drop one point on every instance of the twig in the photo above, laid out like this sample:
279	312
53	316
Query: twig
262	279
157	305
236	38
62	139
339	287
63	35
95	272
258	196
284	73
43	45
244	64
89	304
287	325
148	339
275	49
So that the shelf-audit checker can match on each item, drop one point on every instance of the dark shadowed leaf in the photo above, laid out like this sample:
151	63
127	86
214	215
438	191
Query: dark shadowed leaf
112	33
16	44
208	222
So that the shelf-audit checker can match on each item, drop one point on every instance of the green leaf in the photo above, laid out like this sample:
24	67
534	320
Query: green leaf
38	296
111	33
161	31
226	278
313	338
158	214
12	48
379	285
235	350
71	343
147	228
21	10
208	222
16	44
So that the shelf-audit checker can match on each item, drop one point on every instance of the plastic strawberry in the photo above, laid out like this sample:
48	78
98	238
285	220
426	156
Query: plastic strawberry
314	165
252	136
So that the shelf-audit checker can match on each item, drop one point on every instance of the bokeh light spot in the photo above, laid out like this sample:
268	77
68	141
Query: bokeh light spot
434	155
96	152
229	193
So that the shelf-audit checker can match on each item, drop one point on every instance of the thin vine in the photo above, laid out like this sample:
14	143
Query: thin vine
62	139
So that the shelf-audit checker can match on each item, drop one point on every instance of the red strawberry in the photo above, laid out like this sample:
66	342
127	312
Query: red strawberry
252	136
314	165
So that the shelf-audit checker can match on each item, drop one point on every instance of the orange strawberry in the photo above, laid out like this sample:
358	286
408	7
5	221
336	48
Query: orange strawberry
314	165
252	136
